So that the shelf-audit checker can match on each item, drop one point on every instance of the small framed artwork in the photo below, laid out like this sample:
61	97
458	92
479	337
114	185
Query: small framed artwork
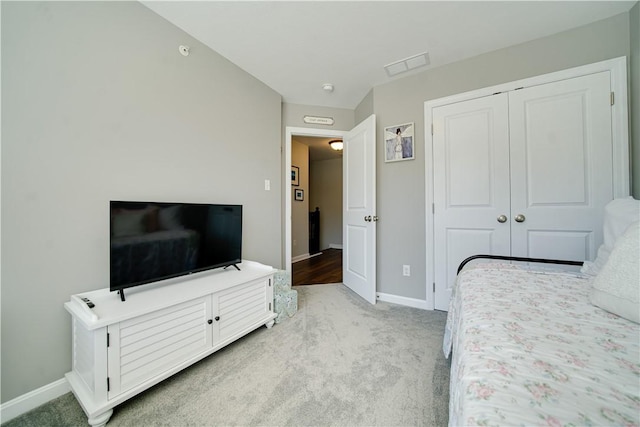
398	142
299	194
295	176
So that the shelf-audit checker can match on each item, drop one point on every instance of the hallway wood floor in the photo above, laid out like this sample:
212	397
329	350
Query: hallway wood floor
320	269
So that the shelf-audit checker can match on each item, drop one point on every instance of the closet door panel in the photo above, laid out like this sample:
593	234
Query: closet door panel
471	182
561	167
565	242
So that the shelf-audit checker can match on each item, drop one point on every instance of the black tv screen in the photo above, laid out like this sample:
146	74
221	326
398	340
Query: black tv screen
155	241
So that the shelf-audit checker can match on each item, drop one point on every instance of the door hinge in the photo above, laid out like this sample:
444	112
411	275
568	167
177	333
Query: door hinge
613	98
108	384
431	128
269	306
107	340
433	208
434	287
269	282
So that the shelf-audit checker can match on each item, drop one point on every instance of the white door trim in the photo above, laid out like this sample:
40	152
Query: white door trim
620	136
290	132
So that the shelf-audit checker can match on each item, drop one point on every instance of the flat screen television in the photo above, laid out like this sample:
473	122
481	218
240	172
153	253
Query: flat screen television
155	241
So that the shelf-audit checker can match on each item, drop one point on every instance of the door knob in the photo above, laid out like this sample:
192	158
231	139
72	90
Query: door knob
375	218
502	218
519	218
367	218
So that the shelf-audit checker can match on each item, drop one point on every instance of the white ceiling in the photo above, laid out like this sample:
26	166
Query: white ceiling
296	47
319	148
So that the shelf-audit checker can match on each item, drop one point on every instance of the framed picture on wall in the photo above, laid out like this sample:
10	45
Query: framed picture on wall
295	176
398	142
299	194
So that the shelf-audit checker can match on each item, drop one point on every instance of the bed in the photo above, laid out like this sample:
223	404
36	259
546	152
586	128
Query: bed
533	345
149	241
161	253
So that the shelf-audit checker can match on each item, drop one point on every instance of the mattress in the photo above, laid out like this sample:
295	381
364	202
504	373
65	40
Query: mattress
529	349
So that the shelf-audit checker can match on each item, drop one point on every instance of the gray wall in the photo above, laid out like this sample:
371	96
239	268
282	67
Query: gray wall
98	104
365	107
300	209
292	115
325	192
401	229
634	23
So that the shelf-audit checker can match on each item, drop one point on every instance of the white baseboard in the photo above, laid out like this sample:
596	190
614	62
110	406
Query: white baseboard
299	258
31	400
303	257
409	302
335	246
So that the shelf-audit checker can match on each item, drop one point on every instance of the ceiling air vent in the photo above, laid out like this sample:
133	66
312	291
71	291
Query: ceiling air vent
407	64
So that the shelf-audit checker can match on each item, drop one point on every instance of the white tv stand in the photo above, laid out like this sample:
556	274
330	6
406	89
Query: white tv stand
122	348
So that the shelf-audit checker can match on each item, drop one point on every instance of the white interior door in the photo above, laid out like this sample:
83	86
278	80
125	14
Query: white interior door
359	210
471	186
561	167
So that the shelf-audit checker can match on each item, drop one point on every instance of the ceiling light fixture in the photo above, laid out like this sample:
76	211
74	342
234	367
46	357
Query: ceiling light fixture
407	64
336	144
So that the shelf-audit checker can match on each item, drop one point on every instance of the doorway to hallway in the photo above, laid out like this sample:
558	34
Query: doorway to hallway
325	268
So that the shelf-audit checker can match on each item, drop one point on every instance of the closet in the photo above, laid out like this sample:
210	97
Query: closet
523	172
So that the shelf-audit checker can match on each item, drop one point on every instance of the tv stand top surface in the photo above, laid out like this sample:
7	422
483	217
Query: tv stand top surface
108	308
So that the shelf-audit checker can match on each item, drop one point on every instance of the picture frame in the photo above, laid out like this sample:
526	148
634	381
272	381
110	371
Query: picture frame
298	195
295	176
399	142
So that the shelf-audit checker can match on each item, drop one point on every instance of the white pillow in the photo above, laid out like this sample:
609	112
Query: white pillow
617	287
170	218
128	223
618	215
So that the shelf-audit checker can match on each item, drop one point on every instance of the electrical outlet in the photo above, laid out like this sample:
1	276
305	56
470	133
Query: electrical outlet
406	270
267	185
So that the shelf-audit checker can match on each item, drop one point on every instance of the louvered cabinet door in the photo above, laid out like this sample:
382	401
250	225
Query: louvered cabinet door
241	307
152	346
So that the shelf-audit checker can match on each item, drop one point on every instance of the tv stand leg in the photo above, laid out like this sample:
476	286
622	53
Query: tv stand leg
121	292
234	265
100	420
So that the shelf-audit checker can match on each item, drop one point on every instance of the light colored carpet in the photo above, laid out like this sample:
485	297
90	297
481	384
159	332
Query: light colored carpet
338	362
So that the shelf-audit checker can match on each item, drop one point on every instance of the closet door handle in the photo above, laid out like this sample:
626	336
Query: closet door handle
502	218
519	218
367	218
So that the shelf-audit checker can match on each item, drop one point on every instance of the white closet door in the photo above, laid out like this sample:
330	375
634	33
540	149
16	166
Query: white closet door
561	167
471	186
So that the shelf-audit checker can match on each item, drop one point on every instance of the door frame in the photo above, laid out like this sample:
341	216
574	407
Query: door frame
290	132
617	68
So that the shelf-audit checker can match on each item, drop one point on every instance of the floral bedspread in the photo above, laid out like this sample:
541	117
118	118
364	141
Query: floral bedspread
529	349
